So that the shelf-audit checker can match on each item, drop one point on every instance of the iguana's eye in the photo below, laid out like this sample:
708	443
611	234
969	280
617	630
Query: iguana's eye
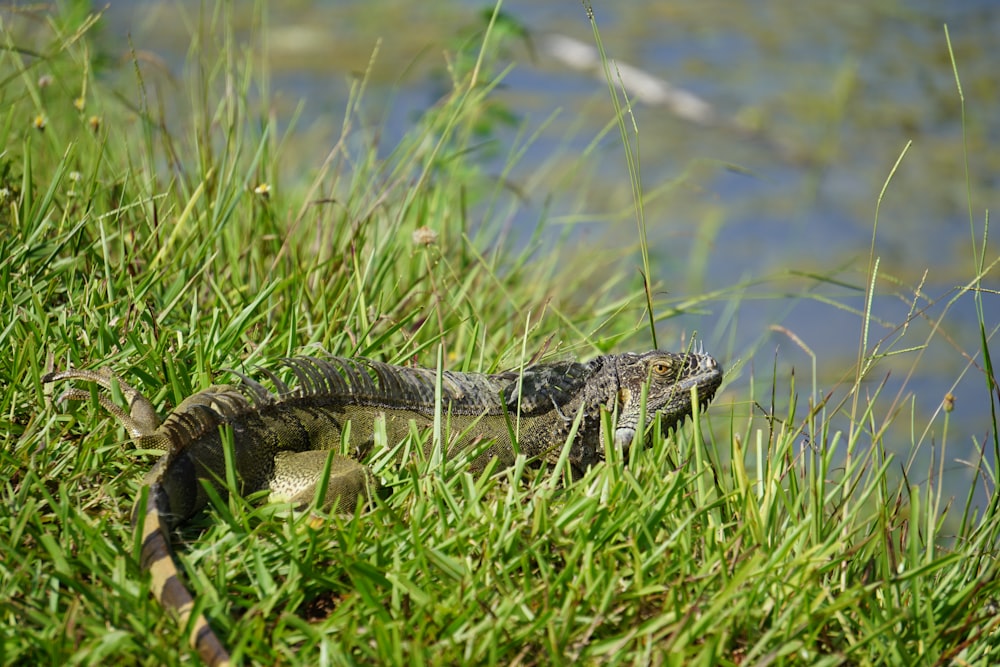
661	368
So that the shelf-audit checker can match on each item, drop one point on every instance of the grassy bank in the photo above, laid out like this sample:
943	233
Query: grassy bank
170	229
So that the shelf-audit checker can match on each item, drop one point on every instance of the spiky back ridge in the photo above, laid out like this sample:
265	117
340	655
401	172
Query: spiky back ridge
338	381
373	383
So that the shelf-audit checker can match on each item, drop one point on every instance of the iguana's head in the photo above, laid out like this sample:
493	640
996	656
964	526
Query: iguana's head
670	377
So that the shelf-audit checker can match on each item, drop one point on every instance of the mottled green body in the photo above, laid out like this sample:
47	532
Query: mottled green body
282	440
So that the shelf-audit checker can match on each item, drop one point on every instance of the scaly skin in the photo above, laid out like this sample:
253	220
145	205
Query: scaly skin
283	441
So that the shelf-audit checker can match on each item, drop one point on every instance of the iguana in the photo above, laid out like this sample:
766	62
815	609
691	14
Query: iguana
281	441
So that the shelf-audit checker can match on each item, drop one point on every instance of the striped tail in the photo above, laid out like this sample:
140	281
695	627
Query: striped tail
168	588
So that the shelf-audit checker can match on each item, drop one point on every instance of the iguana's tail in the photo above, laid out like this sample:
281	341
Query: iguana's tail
168	587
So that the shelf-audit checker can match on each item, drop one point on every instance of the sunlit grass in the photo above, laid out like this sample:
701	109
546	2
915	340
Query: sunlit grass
152	229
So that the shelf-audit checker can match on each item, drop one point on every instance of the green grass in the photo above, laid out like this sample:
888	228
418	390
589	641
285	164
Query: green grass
167	230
